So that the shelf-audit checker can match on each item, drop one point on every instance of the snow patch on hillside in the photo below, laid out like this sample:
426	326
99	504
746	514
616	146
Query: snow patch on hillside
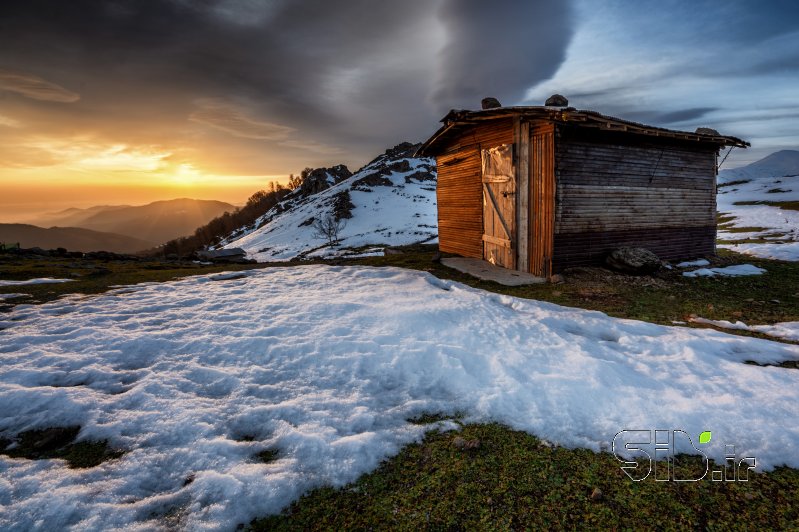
325	365
764	184
393	203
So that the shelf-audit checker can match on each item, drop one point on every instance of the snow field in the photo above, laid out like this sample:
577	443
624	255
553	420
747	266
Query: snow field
325	365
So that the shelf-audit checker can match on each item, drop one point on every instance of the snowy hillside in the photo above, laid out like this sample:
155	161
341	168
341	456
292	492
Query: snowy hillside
324	366
391	201
778	164
762	202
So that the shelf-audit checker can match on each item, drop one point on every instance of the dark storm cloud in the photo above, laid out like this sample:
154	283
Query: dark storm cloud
356	73
671	117
499	48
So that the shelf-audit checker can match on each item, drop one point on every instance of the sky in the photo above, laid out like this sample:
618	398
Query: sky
125	102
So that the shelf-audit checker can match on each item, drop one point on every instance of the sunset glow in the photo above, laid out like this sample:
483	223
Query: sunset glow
215	100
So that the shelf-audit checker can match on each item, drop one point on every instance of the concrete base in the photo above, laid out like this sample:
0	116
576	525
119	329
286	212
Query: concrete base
488	272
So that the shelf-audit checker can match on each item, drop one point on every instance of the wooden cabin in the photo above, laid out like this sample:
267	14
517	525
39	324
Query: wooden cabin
540	189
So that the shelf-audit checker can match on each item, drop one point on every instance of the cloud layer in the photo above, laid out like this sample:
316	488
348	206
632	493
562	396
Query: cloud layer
331	77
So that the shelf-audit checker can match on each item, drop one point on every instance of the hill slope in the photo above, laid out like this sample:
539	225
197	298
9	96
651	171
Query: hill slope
779	164
390	201
71	238
155	222
760	206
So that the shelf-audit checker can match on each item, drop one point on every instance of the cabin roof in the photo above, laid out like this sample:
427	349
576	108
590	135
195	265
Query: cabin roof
457	121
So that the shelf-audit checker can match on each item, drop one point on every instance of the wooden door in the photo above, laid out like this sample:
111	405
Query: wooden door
499	206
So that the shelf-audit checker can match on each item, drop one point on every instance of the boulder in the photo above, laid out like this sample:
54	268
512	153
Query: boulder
638	261
323	178
490	103
556	100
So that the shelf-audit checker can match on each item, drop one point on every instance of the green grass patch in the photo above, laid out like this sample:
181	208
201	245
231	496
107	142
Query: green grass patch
513	481
267	456
785	205
91	276
59	442
733	229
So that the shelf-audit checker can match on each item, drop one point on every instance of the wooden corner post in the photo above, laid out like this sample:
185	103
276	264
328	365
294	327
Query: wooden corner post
521	141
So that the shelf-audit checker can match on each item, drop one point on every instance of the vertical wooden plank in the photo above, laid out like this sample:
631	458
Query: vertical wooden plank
522	141
542	199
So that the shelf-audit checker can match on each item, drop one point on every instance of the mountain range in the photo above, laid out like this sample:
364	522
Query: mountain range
71	238
154	223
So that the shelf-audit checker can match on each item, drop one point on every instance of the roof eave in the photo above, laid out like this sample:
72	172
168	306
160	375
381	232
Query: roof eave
570	115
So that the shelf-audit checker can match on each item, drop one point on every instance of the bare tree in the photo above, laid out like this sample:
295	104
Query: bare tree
328	227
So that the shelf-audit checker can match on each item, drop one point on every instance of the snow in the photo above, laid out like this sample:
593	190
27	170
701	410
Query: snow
41	280
401	213
773	179
13	295
693	263
325	365
788	330
787	251
736	270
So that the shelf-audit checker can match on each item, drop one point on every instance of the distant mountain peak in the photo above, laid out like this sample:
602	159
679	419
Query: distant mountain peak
782	163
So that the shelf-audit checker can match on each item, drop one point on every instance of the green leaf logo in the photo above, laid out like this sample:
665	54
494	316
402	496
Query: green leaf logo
704	437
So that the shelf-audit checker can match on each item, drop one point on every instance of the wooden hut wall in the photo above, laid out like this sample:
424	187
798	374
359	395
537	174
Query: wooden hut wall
460	191
615	190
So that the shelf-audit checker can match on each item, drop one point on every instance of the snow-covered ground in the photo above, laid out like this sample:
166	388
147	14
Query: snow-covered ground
325	365
772	179
736	270
788	330
398	207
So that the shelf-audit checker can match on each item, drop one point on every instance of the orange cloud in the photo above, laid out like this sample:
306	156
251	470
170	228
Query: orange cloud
34	87
230	119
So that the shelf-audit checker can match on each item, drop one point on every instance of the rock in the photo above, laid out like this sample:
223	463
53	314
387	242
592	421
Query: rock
436	257
638	261
556	278
342	205
392	251
774	301
706	131
556	100
373	180
323	178
749	496
464	444
490	103
596	495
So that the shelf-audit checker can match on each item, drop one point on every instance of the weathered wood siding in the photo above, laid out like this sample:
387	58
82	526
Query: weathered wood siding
460	190
615	190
